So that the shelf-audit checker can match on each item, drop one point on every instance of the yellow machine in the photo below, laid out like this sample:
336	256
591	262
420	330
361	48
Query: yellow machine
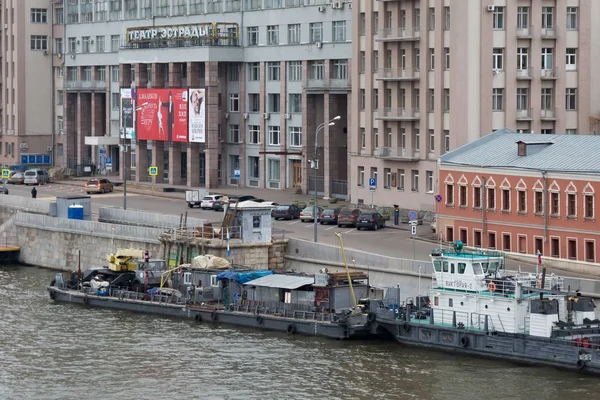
124	260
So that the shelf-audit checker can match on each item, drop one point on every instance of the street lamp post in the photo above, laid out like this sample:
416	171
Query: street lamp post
125	149
315	165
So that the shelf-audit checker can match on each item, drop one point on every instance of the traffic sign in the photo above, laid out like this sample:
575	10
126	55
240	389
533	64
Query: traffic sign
5	173
373	182
108	161
236	173
413	230
412	215
438	198
413	223
153	171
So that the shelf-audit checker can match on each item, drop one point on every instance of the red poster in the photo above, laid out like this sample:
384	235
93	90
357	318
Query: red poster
162	114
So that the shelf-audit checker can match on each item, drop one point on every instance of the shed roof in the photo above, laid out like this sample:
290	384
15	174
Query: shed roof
282	281
557	153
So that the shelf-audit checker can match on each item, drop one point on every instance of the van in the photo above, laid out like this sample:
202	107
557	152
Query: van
36	177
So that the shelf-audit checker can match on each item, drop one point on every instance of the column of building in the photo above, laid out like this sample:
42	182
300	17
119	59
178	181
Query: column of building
243	124
124	82
84	110
262	165
141	146
212	124
309	140
158	147
175	147
283	158
193	150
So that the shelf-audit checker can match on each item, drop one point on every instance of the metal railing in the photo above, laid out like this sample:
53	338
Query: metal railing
548	113
525	32
338	188
551	73
286	310
397	113
85	85
525	73
332	83
399	33
525	114
395	153
397	73
206	232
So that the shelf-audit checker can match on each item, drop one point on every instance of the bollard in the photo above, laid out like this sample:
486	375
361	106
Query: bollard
396	214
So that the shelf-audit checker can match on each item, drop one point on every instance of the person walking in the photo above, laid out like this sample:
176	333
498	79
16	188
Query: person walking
34	193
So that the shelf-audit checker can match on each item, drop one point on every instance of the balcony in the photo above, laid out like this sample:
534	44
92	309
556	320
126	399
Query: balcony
397	35
85	85
525	74
525	115
548	114
398	114
397	74
396	154
549	74
327	84
550	33
525	32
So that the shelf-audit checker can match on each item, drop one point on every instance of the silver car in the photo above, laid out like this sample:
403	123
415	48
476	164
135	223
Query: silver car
307	214
36	177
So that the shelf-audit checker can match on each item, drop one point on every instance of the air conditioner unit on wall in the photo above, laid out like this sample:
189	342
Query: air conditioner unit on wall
288	116
321	9
337	5
49	148
491	8
266	115
245	115
319	45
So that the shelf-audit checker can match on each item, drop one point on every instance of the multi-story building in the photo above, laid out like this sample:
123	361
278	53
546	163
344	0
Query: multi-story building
430	75
26	84
271	71
523	193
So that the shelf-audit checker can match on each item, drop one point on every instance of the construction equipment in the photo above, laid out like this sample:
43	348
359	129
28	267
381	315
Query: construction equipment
124	260
339	235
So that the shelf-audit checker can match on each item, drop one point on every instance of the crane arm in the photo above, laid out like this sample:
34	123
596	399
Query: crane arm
339	235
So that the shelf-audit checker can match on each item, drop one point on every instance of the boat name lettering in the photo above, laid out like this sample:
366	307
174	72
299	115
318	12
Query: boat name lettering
458	285
585	357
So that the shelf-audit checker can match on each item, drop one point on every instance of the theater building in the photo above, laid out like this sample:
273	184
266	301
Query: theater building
205	90
522	193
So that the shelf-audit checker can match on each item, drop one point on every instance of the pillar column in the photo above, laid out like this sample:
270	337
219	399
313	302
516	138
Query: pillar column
212	125
125	162
193	74
83	126
141	158
283	123
141	75
69	136
175	75
243	123
307	144
158	75
93	118
158	160
124	75
193	164
175	163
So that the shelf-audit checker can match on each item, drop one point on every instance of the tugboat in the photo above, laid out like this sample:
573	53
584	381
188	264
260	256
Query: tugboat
477	309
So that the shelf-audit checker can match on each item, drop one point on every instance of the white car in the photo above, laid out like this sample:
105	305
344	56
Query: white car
207	201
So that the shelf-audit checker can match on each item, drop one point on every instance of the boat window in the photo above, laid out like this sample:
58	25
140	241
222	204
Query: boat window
493	268
452	268
213	281
450	303
461	268
445	266
485	267
187	278
437	265
477	270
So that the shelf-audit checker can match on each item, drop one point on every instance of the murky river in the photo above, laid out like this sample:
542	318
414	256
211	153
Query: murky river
62	351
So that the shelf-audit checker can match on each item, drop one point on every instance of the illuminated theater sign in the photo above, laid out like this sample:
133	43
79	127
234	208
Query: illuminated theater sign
217	30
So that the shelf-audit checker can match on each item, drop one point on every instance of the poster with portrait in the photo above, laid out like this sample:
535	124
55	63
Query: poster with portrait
197	120
162	114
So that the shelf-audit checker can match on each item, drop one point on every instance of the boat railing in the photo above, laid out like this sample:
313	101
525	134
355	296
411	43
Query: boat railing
288	310
448	249
551	282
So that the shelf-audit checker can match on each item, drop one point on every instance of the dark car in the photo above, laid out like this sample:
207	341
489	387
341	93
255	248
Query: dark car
348	217
329	216
218	205
286	211
371	220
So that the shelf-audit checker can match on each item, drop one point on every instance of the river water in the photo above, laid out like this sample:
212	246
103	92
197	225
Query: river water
63	351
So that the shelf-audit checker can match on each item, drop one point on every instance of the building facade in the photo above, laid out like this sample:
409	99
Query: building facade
271	70
26	34
523	193
431	75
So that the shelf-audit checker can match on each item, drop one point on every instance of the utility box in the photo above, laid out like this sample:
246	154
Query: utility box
254	220
64	202
194	197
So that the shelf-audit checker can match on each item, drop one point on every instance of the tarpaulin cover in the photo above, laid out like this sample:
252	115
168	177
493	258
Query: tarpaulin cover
243	277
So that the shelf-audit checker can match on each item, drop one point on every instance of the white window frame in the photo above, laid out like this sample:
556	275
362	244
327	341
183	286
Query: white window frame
571	99
253	134
547	58
295	136
498	18
274	135
498	99
571	59
273	35
572	18
234	102
430	181
498	58
234	133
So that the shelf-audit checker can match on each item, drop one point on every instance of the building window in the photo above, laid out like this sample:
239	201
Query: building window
294	71
340	69
253	102
362	24
316	32
254	134
572	13
498	18
339	31
252	35
254	71
85	44
430	182
447	57
572	249
274	102
100	45
522	58
363	62
234	134
295	136
571	61
417	17
571	205
547	58
361	176
522	98
570	131
58	46
115	99
60	97
375	23
554	204
274	135
462	196
274	170
498	58
590	251
387	176
491	203
39	16
431	59
274	70
446	100
446	18
498	99
363	138
294	34
295	103
477	197
39	42
415	180
538	207
522	17
416	139
431	19
431	140
547	17
588	200
506	242
449	194
273	35
547	131
446	141
234	102
59	16
521	201
431	100
571	99
400	182
547	102
115	43
253	167
114	73
316	70
492	240
60	124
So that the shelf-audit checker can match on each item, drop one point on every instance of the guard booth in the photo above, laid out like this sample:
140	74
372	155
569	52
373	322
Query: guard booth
60	208
254	220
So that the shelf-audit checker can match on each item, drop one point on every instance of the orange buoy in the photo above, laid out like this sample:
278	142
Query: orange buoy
491	287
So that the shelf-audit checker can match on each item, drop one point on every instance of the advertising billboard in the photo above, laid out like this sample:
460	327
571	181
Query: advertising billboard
127	114
162	114
197	119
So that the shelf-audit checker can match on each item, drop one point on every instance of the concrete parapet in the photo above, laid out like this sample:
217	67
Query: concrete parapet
144	219
25	204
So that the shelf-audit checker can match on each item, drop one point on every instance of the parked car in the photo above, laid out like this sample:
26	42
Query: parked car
307	214
36	177
3	189
286	211
269	203
433	224
207	201
101	185
329	216
218	205
348	217
370	220
16	178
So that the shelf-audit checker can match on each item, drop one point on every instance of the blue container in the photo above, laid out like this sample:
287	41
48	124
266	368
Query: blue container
75	212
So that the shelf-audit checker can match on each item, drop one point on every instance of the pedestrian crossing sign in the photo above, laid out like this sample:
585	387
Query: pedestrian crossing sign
153	171
5	173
